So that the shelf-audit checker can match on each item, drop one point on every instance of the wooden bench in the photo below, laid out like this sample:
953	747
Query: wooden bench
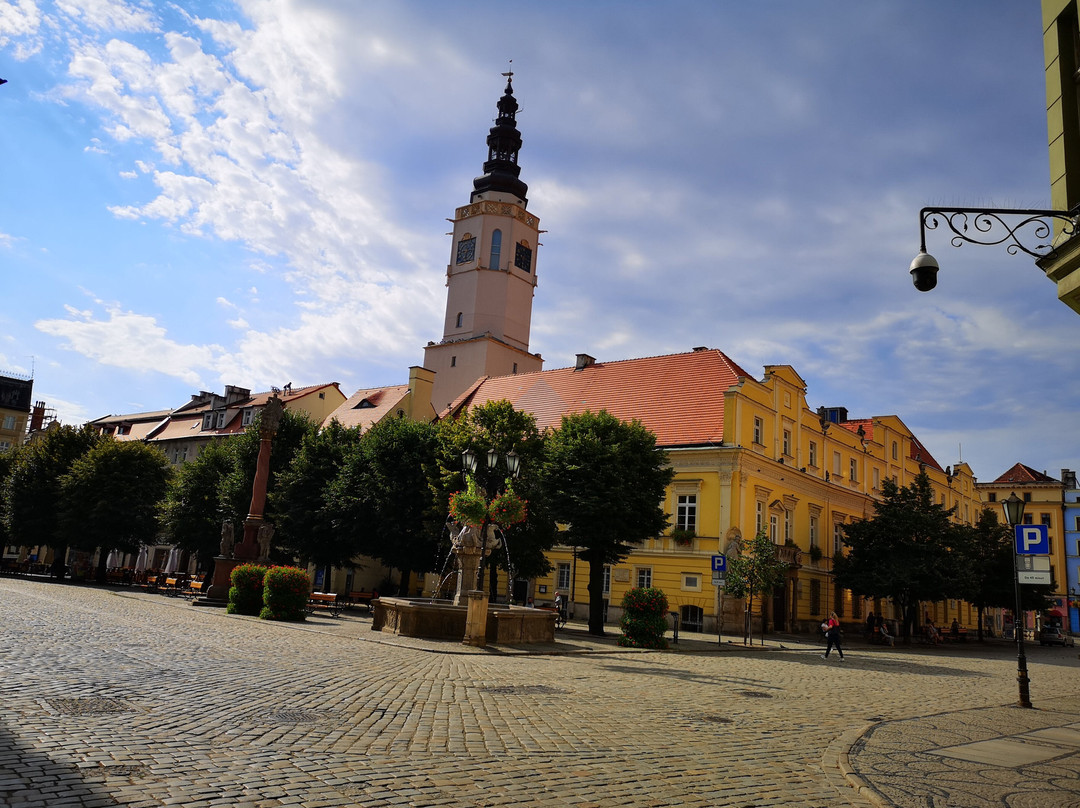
195	588
362	598
324	601
960	636
173	586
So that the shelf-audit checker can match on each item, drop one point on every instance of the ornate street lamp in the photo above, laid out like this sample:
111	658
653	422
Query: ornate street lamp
1014	515
989	226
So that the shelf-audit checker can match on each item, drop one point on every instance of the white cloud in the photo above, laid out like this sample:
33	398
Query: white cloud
21	20
131	341
109	15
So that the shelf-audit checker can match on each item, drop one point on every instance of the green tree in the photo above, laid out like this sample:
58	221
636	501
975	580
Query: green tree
112	496
385	496
754	571
192	511
904	552
32	494
605	478
497	425
987	561
309	522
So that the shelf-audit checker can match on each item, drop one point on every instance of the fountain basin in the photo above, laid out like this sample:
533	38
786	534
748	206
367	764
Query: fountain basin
442	620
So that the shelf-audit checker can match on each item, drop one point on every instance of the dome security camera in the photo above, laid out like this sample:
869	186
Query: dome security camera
924	271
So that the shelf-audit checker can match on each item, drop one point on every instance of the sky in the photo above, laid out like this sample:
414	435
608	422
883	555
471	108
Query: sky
255	192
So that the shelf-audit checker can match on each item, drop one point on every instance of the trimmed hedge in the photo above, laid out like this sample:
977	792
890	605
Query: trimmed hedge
285	594
246	592
644	619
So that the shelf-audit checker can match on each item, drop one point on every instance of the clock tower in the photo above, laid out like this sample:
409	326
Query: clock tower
491	278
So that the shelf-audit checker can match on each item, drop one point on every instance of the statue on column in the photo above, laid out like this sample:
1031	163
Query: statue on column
266	533
227	540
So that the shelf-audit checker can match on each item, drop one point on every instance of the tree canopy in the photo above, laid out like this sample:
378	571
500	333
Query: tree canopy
905	551
755	570
606	479
193	511
112	496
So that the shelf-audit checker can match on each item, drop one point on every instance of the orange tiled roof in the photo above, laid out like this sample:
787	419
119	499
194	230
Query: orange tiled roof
1024	474
679	397
366	407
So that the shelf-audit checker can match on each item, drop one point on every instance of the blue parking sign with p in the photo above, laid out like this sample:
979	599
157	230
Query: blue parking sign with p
1032	540
719	563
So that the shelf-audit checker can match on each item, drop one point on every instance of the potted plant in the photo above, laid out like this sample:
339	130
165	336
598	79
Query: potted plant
682	536
815	553
469	507
507	508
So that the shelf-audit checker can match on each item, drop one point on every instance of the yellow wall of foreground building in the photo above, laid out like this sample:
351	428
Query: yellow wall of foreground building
781	469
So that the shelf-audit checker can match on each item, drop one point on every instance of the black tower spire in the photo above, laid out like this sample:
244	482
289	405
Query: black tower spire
501	169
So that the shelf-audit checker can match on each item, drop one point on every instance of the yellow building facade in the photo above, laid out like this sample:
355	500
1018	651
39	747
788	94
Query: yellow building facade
799	474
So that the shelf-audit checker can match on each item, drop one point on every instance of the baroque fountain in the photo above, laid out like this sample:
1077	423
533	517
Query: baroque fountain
475	532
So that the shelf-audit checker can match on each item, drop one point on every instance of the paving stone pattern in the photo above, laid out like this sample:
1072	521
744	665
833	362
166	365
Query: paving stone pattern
112	699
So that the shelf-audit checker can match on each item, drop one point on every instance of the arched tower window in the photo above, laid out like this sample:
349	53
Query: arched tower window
496	249
459	319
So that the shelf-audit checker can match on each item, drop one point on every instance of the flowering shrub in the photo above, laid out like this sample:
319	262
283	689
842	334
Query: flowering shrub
285	593
507	508
468	506
644	619
246	592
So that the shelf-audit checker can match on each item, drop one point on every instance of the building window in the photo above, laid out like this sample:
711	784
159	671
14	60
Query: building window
459	320
208	421
772	528
496	249
523	257
895	451
644	577
686	512
837	538
691	582
759	523
836	464
813	531
813	454
562	576
877	478
453	361
692	618
991	497
838	600
607	579
815	597
787	526
248	417
853	470
1027	496
9	422
1028	520
1076	522
221	419
759	429
466	249
1045	519
787	443
5	445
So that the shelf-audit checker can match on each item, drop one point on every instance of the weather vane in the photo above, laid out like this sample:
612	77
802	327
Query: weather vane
510	74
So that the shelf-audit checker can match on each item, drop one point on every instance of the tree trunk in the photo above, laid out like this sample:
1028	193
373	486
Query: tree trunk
596	599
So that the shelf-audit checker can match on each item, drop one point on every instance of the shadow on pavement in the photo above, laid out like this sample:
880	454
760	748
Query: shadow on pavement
31	779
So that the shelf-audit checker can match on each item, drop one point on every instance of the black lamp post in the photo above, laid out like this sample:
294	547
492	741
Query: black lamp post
989	226
1014	515
470	463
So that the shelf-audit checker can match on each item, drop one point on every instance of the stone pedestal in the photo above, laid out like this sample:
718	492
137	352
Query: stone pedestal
476	619
218	593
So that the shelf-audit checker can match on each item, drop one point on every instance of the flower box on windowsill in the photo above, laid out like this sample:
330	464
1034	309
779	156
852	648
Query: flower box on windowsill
683	538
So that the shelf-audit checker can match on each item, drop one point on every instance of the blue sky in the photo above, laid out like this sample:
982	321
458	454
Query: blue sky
255	193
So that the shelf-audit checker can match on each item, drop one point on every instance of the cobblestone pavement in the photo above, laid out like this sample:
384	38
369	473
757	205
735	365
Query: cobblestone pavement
115	698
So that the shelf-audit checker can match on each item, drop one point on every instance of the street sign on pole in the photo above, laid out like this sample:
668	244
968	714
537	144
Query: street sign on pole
718	579
719	564
1033	577
1032	540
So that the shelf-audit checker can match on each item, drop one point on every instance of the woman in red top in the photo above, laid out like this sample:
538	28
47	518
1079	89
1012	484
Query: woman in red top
832	637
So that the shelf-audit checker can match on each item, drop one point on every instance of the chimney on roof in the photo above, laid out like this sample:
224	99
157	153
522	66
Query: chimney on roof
584	361
701	348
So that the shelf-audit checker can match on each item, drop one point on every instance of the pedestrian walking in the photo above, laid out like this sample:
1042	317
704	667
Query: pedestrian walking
832	636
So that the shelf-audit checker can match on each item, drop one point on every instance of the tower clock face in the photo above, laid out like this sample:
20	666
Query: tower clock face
523	258
466	250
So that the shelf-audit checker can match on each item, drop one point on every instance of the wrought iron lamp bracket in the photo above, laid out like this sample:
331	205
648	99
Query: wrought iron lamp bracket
989	226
